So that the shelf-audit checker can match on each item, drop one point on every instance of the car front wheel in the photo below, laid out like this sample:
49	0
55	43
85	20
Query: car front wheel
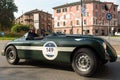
11	55
85	62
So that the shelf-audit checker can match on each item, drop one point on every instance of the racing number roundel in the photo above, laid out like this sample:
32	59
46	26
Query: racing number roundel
50	51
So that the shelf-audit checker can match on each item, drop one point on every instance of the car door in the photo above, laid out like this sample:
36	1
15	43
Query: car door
31	49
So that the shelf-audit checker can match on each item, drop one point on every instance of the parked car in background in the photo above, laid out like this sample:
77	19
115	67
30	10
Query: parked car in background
85	53
117	33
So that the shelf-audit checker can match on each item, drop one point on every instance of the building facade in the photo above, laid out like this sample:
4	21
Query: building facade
39	19
68	18
118	21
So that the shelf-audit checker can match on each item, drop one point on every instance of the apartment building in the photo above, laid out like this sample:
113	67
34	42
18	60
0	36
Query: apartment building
68	18
119	20
39	19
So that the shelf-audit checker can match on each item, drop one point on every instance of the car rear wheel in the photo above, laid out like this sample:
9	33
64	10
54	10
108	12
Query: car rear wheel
11	55
85	62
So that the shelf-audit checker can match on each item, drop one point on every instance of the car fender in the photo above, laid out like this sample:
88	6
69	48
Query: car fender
94	45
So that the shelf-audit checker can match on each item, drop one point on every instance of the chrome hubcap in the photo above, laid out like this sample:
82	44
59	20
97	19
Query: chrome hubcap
83	62
11	55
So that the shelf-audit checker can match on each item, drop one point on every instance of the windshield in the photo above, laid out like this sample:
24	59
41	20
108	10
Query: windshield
25	35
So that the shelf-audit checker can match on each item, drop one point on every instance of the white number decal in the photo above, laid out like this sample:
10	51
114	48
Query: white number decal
50	51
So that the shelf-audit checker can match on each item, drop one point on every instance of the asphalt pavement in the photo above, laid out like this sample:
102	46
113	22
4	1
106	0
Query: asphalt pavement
36	70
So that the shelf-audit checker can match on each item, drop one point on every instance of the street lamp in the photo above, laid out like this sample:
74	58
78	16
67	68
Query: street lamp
82	15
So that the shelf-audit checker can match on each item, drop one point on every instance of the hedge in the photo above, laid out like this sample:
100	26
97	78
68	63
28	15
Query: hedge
20	28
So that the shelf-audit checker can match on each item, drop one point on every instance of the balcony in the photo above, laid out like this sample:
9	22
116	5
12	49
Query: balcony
29	20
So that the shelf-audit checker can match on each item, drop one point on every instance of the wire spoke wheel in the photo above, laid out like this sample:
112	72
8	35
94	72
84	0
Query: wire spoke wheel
11	55
85	62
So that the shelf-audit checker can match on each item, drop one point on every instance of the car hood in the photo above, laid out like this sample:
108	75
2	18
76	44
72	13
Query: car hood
86	37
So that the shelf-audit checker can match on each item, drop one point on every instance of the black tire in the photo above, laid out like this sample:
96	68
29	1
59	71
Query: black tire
104	62
85	62
11	55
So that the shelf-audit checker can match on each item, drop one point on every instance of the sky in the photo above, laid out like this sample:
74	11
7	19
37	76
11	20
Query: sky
45	5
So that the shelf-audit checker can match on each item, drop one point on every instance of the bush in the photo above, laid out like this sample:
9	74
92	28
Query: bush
20	28
13	34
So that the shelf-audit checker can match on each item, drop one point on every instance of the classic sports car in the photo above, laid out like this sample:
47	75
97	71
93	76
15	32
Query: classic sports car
84	53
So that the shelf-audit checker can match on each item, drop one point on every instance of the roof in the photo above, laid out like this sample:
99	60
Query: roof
36	11
79	3
32	11
74	3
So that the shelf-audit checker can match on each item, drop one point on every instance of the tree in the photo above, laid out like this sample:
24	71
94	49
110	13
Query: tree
7	9
17	28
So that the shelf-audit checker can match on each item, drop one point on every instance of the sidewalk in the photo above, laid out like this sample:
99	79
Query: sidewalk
117	48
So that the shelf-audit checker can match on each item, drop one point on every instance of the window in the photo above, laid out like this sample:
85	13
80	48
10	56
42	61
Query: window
114	23
77	22
96	21
71	23
58	10
93	20
70	31
77	7
87	13
96	7
96	31
64	16
113	15
103	32
103	22
88	31
118	30
114	8
64	10
64	31
103	7
64	24
58	24
85	22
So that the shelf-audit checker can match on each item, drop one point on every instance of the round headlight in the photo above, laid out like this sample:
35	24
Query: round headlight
104	45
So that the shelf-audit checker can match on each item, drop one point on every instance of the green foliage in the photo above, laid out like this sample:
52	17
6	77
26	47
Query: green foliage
7	9
13	34
10	35
20	28
8	38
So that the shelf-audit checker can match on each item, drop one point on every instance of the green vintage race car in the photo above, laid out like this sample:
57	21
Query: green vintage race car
84	53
